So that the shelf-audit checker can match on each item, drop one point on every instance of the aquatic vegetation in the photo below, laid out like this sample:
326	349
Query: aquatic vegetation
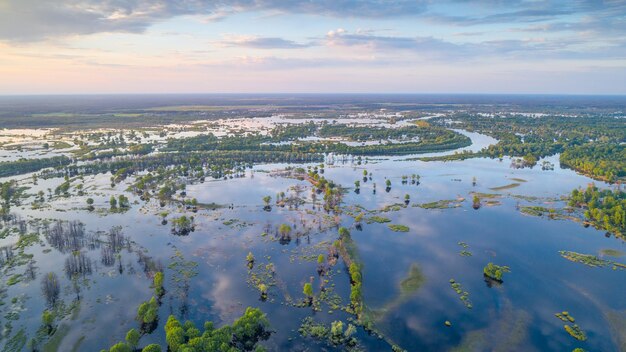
377	219
308	292
393	207
334	336
183	226
442	204
157	284
476	202
565	316
398	228
576	332
505	187
243	335
587	259
495	272
463	295
147	312
464	252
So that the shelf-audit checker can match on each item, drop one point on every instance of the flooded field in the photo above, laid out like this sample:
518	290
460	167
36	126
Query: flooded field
422	233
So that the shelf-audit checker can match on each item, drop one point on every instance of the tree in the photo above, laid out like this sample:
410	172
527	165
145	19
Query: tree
132	338
51	288
267	200
250	328
476	202
250	260
308	291
123	201
407	199
113	203
284	230
157	283
90	204
121	347
152	348
148	311
47	318
263	289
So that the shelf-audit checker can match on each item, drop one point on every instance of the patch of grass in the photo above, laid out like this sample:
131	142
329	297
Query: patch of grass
14	279
398	228
518	179
587	259
502	188
576	332
377	219
463	295
393	207
441	204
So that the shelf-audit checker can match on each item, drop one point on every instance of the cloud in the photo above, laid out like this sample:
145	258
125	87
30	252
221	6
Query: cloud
33	20
263	42
367	39
534	48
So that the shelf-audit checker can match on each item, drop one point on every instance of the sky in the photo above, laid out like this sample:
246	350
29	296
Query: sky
312	46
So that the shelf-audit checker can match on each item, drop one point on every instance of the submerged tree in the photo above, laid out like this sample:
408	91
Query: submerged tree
267	200
182	226
51	288
307	289
476	202
47	318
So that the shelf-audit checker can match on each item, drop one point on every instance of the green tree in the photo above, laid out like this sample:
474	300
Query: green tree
152	348
157	283
132	338
120	347
47	318
308	291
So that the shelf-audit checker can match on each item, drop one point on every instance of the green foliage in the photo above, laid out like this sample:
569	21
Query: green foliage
147	312
182	226
284	230
307	290
47	318
24	166
606	209
132	338
152	348
602	161
334	336
495	272
398	228
120	347
320	259
157	284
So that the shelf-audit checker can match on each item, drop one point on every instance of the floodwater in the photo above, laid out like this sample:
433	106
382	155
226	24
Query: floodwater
518	314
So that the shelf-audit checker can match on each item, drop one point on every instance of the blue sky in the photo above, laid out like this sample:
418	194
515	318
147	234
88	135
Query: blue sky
370	46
